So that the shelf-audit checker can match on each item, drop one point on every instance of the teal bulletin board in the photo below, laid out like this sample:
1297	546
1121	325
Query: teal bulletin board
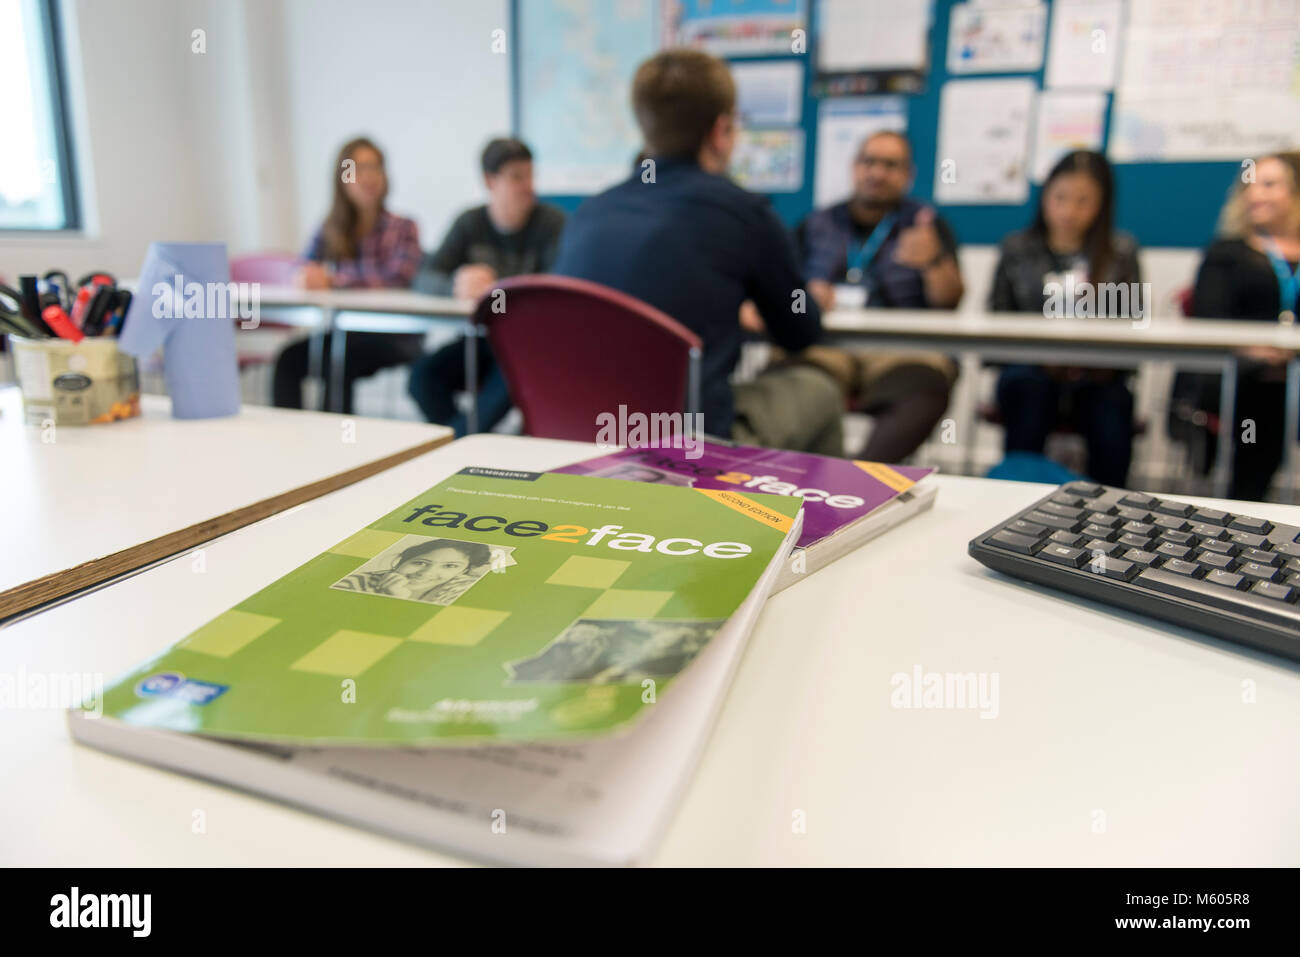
1162	204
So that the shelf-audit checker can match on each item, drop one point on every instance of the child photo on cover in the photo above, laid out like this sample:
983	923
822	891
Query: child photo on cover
436	571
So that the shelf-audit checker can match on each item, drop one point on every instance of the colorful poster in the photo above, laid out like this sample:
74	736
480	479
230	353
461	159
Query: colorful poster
769	93
1001	39
769	161
1083	47
1066	121
736	27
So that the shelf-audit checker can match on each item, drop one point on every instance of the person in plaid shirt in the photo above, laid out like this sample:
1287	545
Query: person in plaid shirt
361	245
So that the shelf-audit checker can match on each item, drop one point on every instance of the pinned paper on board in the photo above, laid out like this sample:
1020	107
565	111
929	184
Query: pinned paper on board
737	27
871	48
769	93
769	161
842	125
1214	80
982	156
1066	122
996	39
183	304
1083	47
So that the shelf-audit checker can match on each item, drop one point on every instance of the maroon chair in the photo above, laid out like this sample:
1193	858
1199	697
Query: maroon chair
268	269
571	349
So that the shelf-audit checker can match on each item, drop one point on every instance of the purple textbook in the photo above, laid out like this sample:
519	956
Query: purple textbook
846	502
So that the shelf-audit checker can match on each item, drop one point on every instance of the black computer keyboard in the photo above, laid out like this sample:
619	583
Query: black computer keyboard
1223	573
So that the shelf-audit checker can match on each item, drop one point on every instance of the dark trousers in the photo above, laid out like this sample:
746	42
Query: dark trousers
367	353
1262	401
1032	403
438	376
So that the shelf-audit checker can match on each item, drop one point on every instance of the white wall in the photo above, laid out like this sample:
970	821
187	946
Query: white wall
418	77
236	143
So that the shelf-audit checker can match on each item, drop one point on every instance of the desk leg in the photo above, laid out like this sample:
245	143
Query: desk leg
338	359
1292	420
1227	426
471	379
316	354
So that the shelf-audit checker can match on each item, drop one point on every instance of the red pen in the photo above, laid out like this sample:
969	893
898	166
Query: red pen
58	320
81	303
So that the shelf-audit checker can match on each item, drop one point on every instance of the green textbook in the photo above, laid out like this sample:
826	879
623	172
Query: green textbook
497	607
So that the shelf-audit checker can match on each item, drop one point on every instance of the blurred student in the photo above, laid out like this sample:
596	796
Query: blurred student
512	235
1253	272
360	245
896	253
1071	248
681	236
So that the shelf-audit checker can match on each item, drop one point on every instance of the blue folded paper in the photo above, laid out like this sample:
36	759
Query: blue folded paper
185	303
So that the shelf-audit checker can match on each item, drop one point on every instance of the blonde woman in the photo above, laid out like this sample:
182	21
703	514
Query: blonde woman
1252	272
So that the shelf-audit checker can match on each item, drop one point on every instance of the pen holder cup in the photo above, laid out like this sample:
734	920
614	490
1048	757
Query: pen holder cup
75	383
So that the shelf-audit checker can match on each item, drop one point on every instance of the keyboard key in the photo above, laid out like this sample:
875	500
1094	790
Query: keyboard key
1138	528
1202	530
1105	548
1065	538
1180	567
1260	572
1217	576
1292	580
1063	555
1170	550
1114	568
1276	592
1292	564
1178	538
1259	556
1133	514
1223	548
1086	489
1198	590
1134	541
1013	542
1110	521
1288	549
1249	539
1171	522
1138	500
1055	521
1244	523
1066	511
1072	500
1175	508
1026	528
1140	557
1211	516
1099	531
1215	560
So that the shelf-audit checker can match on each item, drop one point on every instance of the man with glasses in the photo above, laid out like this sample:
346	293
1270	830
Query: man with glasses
886	250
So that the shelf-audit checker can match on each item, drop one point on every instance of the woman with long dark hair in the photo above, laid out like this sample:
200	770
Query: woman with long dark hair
361	245
1071	261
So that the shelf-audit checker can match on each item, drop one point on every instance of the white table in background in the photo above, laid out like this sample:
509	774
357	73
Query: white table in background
1118	741
340	311
1203	344
85	504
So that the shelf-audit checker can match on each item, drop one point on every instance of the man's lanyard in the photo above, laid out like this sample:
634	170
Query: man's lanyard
861	259
1288	281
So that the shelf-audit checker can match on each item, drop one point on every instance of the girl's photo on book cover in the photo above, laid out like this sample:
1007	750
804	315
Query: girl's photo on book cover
604	651
436	571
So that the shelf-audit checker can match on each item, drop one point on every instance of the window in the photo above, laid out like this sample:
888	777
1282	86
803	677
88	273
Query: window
37	186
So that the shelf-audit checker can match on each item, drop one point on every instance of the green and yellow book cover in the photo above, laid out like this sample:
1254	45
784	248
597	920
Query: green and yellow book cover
498	606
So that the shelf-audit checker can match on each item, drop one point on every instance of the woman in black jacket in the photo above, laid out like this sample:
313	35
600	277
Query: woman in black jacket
1071	251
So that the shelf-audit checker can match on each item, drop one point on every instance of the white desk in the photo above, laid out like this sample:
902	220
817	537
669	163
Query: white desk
83	505
340	311
1098	711
1205	344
